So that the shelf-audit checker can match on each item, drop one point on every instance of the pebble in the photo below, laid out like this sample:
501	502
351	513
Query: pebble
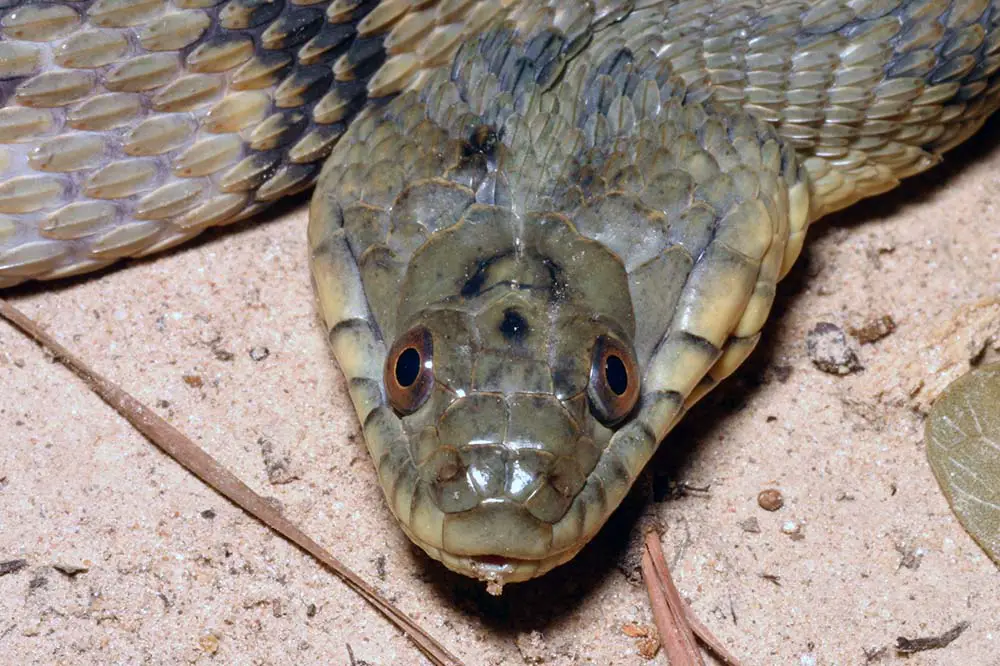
209	643
70	569
770	499
790	527
873	330
829	350
259	353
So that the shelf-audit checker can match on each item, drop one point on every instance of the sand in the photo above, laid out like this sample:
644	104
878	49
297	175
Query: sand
222	339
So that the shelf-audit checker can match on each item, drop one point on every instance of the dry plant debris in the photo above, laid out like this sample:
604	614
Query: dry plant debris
911	645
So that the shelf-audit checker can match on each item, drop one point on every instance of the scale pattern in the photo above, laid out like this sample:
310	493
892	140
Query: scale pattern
640	170
129	126
867	91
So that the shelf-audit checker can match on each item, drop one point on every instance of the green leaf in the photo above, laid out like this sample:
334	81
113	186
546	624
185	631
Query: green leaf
963	446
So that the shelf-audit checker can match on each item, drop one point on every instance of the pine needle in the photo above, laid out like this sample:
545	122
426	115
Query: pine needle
675	621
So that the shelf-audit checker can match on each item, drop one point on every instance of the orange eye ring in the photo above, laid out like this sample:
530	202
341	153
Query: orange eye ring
614	381
409	370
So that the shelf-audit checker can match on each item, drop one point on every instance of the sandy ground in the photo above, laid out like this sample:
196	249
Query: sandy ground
222	339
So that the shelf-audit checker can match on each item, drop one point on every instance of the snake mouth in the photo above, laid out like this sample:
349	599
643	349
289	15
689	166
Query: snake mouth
495	570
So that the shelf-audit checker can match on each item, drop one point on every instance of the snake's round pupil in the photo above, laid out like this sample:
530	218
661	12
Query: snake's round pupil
616	374
408	367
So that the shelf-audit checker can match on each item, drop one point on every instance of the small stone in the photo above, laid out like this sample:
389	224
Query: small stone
750	525
829	350
194	381
874	654
71	570
648	647
311	610
770	499
634	630
208	514
209	643
791	528
873	330
259	353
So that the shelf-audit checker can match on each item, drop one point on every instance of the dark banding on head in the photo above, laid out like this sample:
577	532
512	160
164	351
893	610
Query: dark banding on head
474	284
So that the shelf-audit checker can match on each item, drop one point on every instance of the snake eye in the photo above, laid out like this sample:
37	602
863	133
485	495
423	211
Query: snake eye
614	381
409	370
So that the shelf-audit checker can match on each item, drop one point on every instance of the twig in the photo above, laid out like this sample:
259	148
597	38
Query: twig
172	442
912	645
676	622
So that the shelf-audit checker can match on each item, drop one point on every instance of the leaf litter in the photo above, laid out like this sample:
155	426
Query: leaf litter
963	446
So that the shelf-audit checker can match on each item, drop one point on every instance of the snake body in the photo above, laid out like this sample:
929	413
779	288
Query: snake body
542	230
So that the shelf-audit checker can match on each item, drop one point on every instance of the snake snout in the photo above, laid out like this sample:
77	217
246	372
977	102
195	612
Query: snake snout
502	491
536	460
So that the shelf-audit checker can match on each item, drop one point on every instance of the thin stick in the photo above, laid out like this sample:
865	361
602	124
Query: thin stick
674	619
676	636
172	442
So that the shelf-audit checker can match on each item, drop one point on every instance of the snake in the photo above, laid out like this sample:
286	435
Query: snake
541	230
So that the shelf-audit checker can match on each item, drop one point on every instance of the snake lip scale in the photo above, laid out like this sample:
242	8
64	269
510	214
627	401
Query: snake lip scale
541	231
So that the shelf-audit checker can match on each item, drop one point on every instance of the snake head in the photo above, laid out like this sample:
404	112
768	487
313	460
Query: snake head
508	380
525	299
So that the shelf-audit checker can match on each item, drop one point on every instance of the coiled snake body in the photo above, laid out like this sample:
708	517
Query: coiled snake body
543	229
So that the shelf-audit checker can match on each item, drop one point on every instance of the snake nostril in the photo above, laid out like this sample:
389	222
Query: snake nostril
447	471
